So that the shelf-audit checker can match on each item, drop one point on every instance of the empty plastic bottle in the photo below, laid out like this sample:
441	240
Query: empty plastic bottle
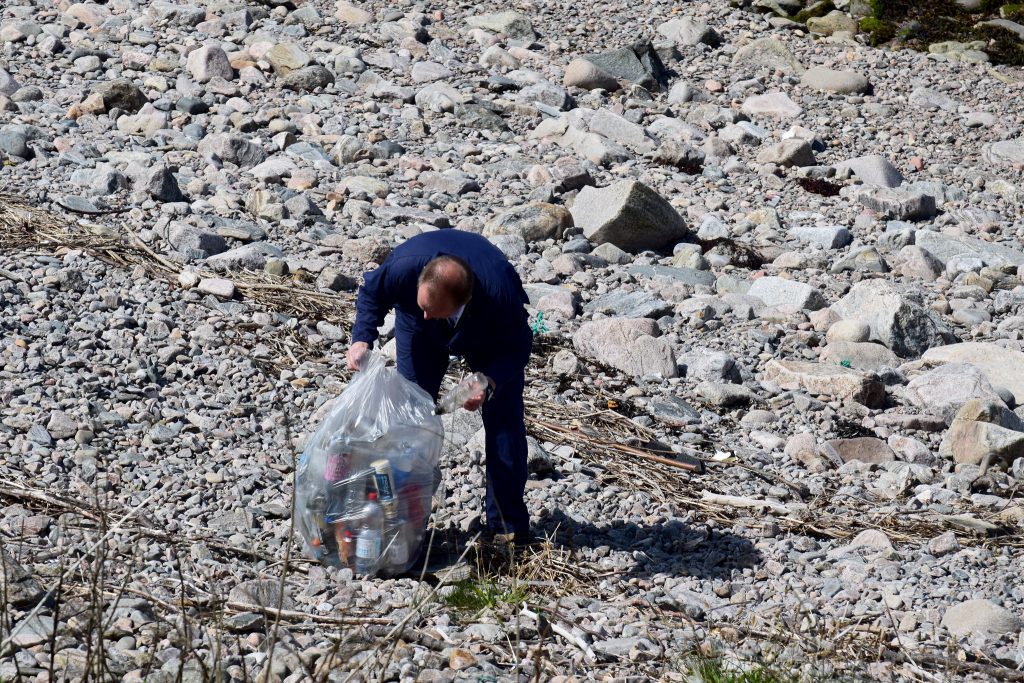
346	550
321	541
371	535
472	386
397	544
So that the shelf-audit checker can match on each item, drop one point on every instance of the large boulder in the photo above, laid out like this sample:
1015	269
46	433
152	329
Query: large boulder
628	344
621	131
916	263
873	169
831	80
514	25
776	291
534	222
20	588
859	355
1002	367
1005	152
903	325
245	257
208	62
974	442
829	380
789	152
286	57
621	303
833	22
768	54
8	84
307	79
637	64
945	247
710	365
687	31
234	149
980	617
861	449
629	215
581	73
121	94
944	390
984	432
898	204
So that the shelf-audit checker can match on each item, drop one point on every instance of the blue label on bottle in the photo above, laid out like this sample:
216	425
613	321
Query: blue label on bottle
385	492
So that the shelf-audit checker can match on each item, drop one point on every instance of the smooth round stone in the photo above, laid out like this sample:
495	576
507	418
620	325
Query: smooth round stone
847	82
849	331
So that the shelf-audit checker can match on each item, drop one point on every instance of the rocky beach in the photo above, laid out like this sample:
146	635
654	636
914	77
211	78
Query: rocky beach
766	238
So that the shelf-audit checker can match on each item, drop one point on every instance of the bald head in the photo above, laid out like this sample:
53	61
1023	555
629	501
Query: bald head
445	284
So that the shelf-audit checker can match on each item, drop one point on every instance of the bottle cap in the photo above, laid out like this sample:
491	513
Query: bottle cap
372	495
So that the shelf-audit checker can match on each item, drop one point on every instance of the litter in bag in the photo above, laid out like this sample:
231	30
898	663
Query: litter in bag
365	481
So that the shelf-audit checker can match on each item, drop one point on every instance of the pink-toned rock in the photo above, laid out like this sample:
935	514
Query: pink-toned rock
830	380
207	62
862	449
803	448
628	344
347	13
583	74
87	13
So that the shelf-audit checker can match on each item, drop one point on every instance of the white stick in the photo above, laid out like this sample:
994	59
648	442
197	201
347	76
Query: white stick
573	638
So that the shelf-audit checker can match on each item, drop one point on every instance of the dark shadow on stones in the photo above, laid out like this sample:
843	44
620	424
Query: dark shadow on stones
675	548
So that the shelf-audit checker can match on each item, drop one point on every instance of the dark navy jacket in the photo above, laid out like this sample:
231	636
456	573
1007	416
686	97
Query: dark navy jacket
492	335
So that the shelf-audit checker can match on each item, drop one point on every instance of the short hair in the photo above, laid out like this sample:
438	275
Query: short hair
450	276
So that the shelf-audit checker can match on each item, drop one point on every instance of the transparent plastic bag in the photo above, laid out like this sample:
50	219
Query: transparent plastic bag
380	437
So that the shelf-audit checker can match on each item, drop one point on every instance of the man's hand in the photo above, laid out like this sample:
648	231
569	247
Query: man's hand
478	399
357	355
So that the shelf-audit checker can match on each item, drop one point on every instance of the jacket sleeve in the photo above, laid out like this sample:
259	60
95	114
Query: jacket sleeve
373	301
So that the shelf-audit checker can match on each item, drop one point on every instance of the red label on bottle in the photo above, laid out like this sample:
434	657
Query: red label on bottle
337	466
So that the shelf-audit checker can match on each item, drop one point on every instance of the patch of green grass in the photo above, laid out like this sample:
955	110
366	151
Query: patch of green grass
1004	47
818	9
712	670
1013	11
878	31
474	596
917	24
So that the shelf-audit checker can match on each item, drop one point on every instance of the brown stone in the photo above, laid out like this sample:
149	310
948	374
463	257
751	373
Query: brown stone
865	449
803	448
461	659
980	443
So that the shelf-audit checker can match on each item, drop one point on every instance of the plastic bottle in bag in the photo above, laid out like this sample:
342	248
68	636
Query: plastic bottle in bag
371	536
320	539
337	469
347	551
467	389
384	480
396	543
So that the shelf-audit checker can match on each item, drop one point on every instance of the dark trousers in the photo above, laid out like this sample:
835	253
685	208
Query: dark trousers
423	359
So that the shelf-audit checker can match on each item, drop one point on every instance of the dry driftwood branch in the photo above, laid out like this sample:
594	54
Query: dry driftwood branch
688	464
293	615
569	636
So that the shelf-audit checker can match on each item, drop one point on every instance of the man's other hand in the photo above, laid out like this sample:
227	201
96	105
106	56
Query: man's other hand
357	355
477	399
